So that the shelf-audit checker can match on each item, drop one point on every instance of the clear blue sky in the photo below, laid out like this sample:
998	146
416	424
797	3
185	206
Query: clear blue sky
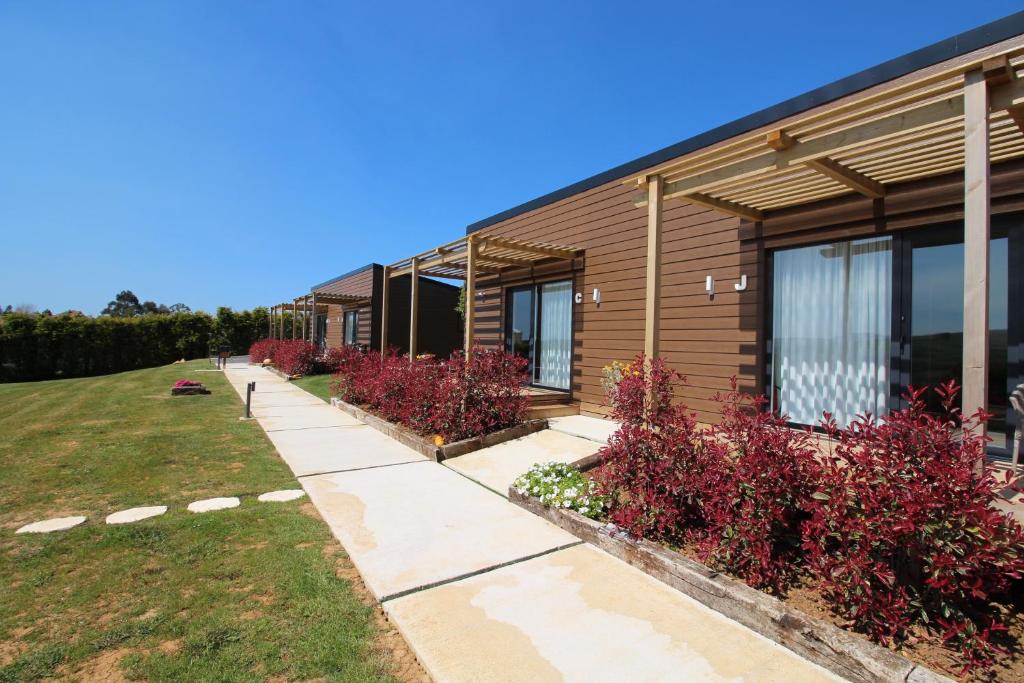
235	153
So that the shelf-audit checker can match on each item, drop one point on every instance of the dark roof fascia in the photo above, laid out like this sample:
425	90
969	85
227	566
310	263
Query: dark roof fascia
348	274
944	50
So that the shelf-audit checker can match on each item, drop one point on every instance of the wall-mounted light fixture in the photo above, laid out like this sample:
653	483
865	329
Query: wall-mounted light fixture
597	296
709	285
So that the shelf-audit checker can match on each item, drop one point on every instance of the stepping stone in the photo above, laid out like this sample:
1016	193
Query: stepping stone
136	514
211	504
48	525
280	496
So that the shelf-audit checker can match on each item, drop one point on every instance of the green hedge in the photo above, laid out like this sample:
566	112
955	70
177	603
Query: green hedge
34	347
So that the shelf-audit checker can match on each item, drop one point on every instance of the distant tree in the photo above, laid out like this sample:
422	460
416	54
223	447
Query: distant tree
25	308
152	308
9	309
179	308
124	305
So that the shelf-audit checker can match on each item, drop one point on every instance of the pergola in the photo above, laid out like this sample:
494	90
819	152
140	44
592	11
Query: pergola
311	304
962	118
465	259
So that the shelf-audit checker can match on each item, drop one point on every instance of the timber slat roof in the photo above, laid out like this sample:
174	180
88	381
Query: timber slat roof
909	132
493	255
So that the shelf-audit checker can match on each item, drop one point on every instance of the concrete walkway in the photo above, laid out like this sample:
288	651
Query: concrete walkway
482	589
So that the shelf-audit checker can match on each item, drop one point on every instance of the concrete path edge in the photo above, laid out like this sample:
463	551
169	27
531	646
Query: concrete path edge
835	649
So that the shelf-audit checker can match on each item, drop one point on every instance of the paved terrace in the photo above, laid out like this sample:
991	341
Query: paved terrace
482	589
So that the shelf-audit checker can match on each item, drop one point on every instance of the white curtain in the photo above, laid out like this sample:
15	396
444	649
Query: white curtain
831	319
555	335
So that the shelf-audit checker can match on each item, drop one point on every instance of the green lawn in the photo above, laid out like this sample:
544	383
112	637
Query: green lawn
261	591
318	385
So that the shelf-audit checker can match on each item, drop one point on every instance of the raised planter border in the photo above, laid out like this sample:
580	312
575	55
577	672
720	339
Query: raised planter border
427	447
841	652
286	377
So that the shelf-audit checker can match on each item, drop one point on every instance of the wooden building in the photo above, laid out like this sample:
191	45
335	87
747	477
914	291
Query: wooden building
816	250
349	309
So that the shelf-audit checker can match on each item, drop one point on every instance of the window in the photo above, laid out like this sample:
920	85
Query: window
351	327
831	315
853	323
538	326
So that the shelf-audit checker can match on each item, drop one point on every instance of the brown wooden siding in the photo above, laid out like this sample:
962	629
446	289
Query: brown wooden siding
707	340
440	329
334	325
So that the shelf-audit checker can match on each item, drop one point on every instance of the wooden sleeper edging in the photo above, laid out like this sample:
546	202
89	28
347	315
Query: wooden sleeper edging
841	652
427	447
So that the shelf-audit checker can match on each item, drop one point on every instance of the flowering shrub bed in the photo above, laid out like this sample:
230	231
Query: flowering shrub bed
757	498
299	357
262	349
562	486
896	527
186	383
455	399
903	531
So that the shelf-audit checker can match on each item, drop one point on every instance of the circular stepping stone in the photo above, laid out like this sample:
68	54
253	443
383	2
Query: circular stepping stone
211	504
48	525
280	496
136	514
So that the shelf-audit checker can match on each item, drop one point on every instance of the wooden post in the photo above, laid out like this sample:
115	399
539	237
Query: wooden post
414	306
280	322
385	295
977	226
270	323
652	310
470	308
295	317
305	317
312	322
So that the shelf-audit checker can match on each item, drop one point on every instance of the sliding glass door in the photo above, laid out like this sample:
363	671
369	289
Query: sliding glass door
538	327
831	318
854	322
933	269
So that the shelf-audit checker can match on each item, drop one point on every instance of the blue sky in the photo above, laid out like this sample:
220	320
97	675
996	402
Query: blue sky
235	153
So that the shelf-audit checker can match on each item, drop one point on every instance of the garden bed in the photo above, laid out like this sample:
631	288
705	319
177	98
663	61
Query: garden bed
283	375
840	651
427	446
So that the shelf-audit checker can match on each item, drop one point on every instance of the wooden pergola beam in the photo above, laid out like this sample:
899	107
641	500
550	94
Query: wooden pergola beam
548	252
779	140
485	258
745	212
1003	97
426	267
858	182
997	71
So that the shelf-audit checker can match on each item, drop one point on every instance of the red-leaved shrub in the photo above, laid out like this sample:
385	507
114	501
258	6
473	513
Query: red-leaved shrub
262	349
757	498
332	360
656	464
903	530
295	357
455	399
479	394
